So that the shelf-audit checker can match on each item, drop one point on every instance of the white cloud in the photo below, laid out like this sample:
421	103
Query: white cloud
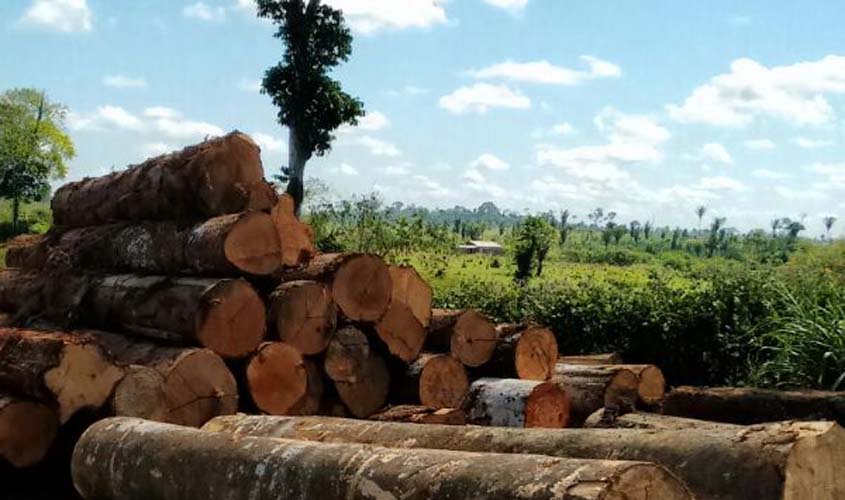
473	175
805	143
105	117
269	143
123	82
480	97
432	187
171	123
764	173
551	187
760	144
794	93
630	129
248	85
835	173
511	5
156	149
791	194
347	169
373	121
204	12
544	72
371	16
378	147
396	170
161	120
720	183
712	152
66	16
563	128
490	162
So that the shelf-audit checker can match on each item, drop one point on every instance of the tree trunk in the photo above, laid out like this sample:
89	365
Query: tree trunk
151	461
422	415
283	382
228	244
526	352
604	419
360	284
468	335
366	394
592	359
753	406
401	331
517	403
303	314
347	356
788	461
216	177
296	237
16	212
591	388
71	371
297	158
434	381
410	289
27	429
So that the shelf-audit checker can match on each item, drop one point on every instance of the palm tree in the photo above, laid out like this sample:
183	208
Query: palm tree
775	226
700	211
828	224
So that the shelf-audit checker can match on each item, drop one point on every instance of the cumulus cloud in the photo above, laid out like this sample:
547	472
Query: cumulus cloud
347	169
204	12
721	183
160	120
65	16
712	152
803	194
490	162
171	123
764	173
510	5
544	72
105	117
151	149
269	143
378	147
480	97
794	93
805	143
123	82
374	120
371	16
760	144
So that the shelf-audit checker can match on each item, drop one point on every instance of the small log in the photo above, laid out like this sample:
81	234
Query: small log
517	403
468	335
152	461
592	387
303	314
360	284
367	393
526	352
348	354
604	419
27	429
216	177
435	381
422	415
410	289
611	358
652	383
753	406
401	332
786	461
296	237
283	382
71	371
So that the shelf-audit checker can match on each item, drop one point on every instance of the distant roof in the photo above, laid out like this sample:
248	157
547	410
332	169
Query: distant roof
485	244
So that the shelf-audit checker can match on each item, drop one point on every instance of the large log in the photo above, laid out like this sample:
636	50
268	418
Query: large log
526	352
71	371
367	393
433	380
752	406
303	314
296	237
422	415
151	461
283	382
410	289
787	461
517	403
592	387
27	429
219	176
603	419
468	335
401	331
611	358
360	284
348	354
228	244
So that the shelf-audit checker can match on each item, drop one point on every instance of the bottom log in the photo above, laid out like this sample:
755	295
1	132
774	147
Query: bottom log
283	382
604	419
517	403
367	393
422	415
27	430
151	461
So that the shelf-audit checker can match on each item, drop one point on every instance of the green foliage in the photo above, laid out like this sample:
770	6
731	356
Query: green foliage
531	246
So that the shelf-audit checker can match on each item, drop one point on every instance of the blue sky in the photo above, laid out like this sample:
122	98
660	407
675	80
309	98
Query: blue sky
648	108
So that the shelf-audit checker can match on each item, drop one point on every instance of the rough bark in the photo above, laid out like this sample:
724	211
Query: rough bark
611	358
604	419
468	335
347	356
303	314
592	387
522	351
18	287
283	382
517	403
367	393
296	237
70	371
751	406
410	289
228	244
151	461
219	176
422	415
27	429
787	461
401	332
433	380
360	284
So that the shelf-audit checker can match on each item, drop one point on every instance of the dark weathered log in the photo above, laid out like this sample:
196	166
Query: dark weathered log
17	287
303	314
151	461
468	335
29	251
410	289
283	382
592	387
71	371
401	331
219	176
433	380
787	461
752	406
526	352
611	358
517	403
367	393
296	237
348	354
604	419
27	429
422	415
360	284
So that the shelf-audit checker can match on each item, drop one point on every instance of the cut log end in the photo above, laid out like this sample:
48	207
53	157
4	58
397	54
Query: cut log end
296	237
474	339
232	322
410	289
401	331
368	393
645	482
234	179
282	382
362	288
347	355
547	406
652	387
27	430
84	379
443	382
536	354
813	469
252	245
304	315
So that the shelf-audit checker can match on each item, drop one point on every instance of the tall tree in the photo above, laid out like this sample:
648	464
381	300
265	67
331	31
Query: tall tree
33	146
700	211
311	104
828	224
